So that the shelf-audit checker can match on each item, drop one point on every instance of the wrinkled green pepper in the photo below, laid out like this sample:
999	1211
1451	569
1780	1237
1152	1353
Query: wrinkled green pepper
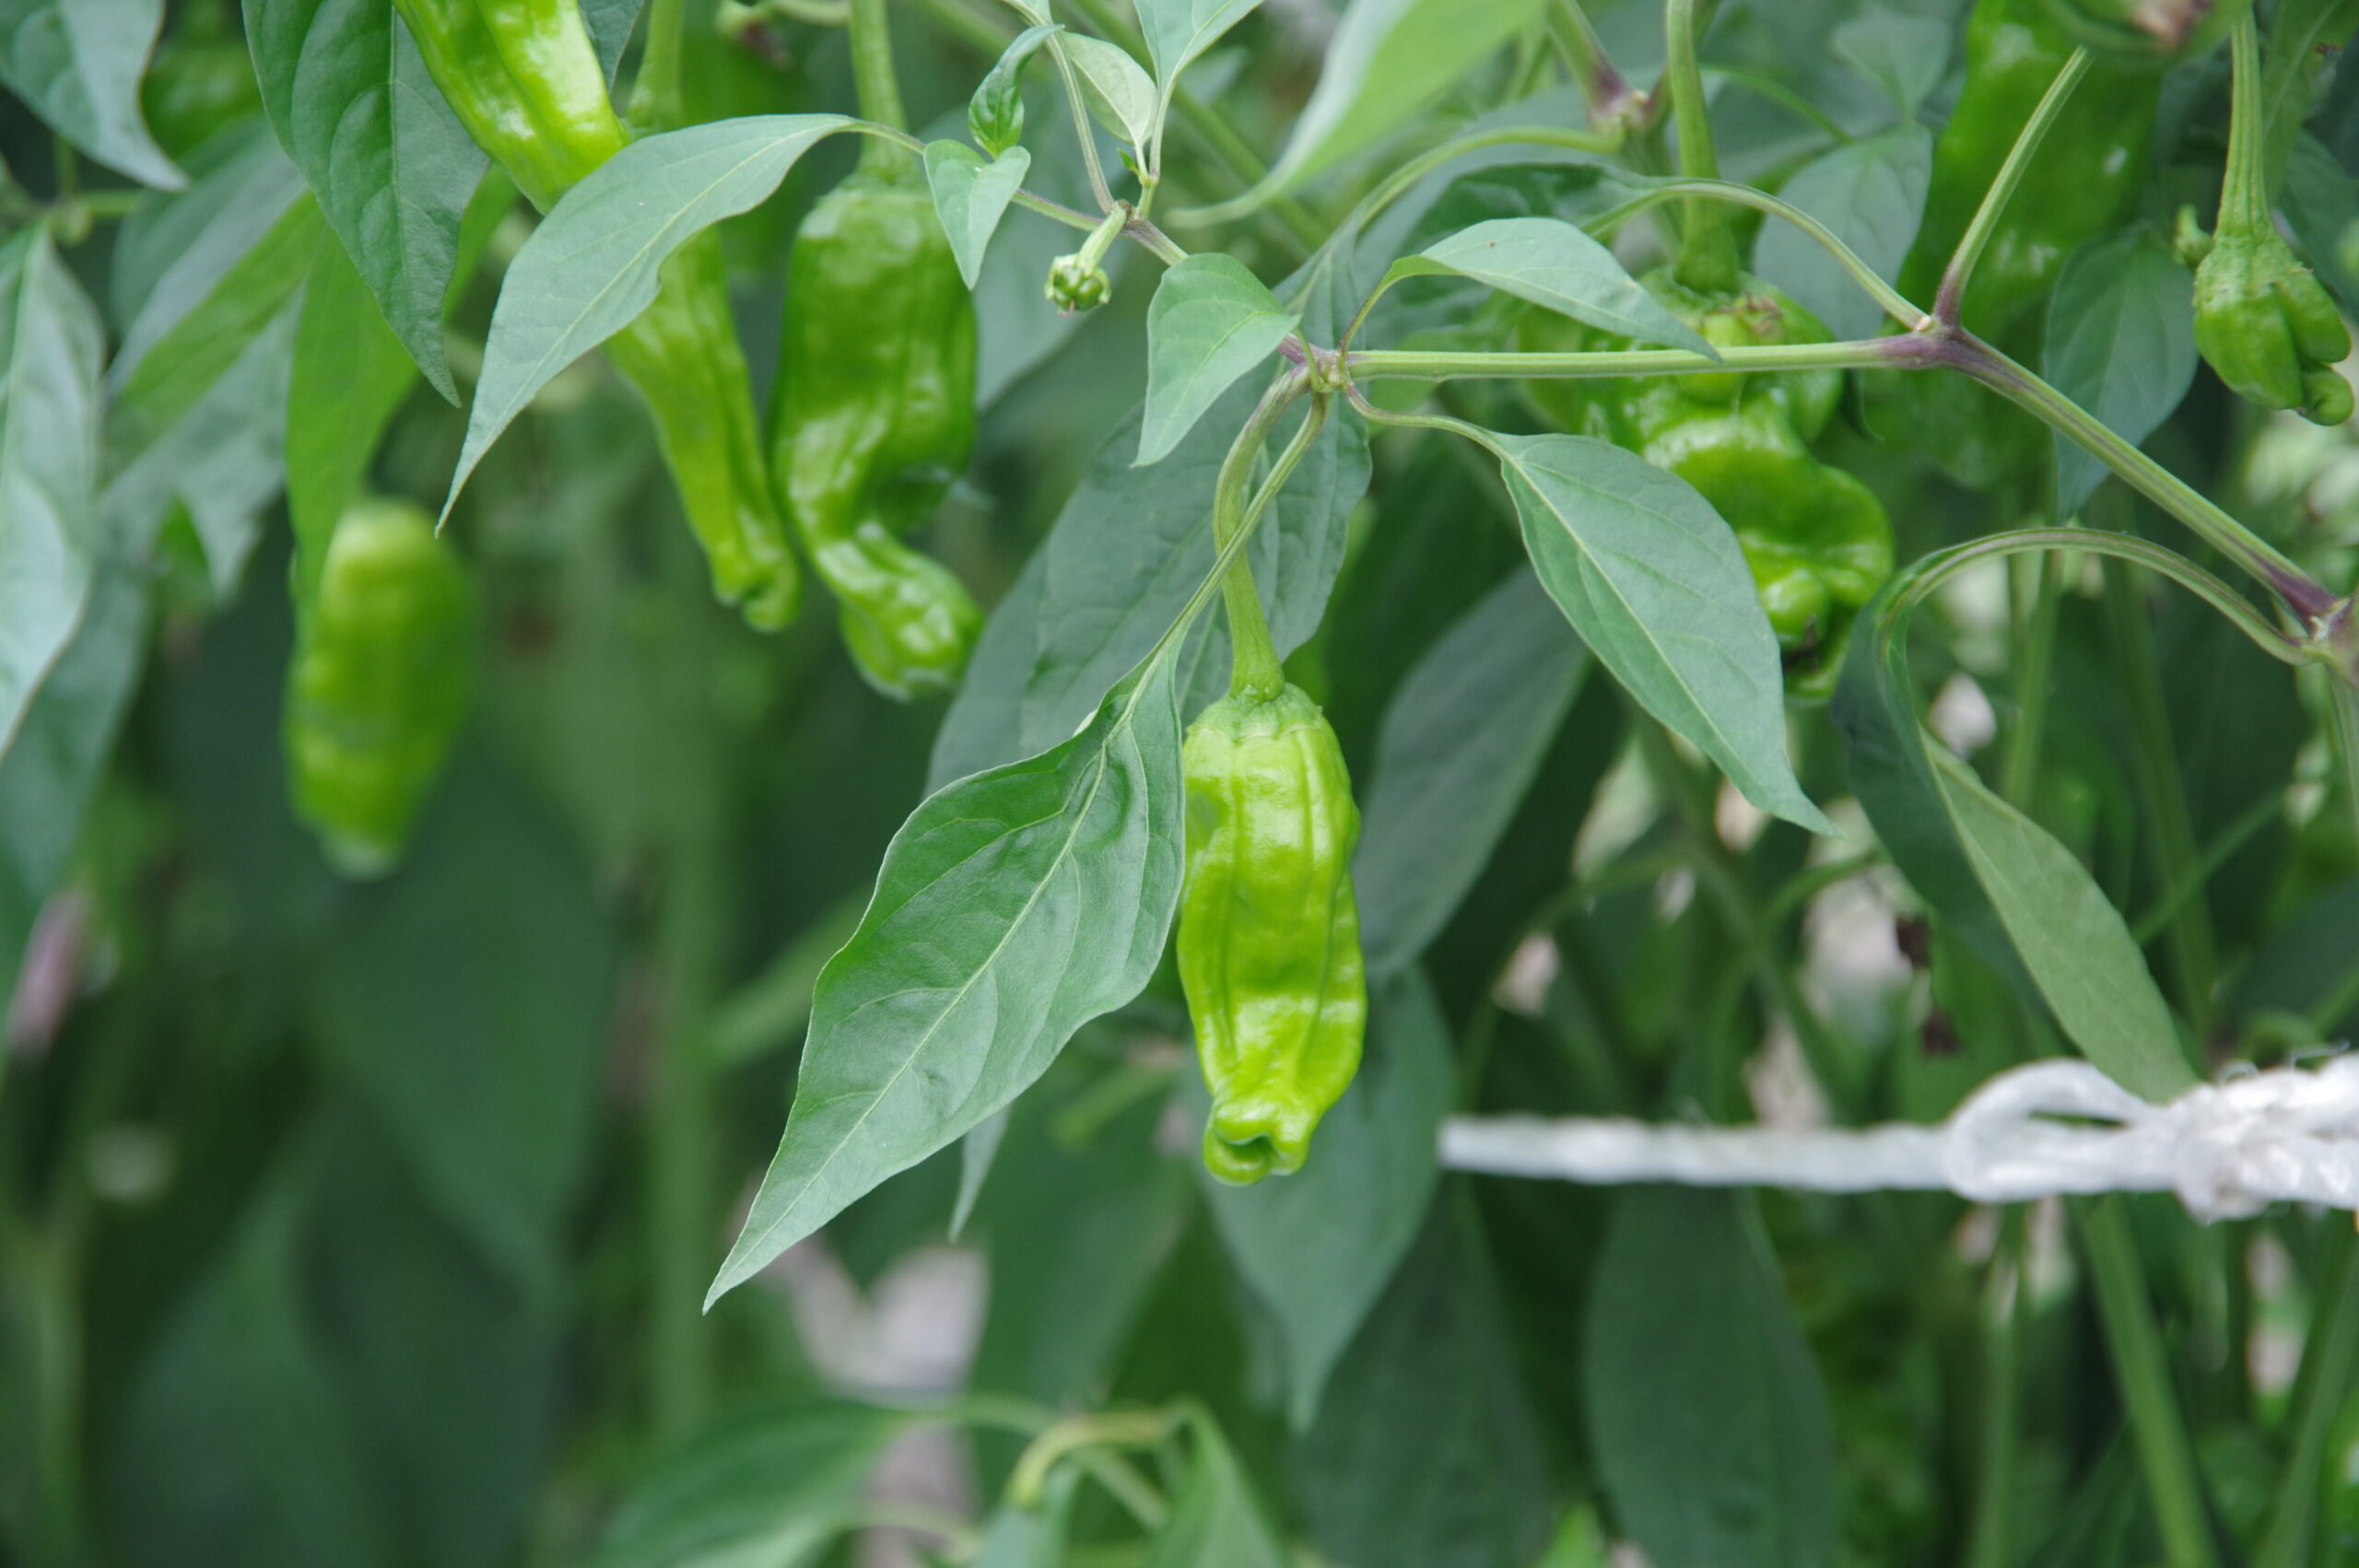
523	78
2262	321
1817	540
378	689
1269	938
873	417
2088	167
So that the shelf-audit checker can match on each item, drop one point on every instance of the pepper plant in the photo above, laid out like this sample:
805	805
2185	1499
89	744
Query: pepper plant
767	766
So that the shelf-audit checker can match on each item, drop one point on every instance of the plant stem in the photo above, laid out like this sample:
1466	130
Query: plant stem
1951	295
2328	1356
879	87
2194	953
2135	1344
1393	363
1254	669
2243	194
1707	260
1605	93
2032	672
1988	1545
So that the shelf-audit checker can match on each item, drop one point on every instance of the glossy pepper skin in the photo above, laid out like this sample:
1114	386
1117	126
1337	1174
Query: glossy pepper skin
1269	938
523	78
1817	540
378	689
2088	167
873	417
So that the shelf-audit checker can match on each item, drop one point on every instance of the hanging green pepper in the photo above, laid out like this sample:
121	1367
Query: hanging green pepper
2262	321
2088	167
1817	540
384	650
874	417
201	82
523	78
1269	933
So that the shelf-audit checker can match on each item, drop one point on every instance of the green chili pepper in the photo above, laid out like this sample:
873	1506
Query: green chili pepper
1269	933
200	83
523	78
875	418
2091	163
1817	540
2262	322
379	685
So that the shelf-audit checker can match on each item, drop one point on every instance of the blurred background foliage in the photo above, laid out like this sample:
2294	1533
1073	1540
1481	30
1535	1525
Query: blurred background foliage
367	1224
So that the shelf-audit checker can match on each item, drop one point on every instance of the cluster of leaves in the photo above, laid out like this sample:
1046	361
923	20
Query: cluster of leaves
373	1223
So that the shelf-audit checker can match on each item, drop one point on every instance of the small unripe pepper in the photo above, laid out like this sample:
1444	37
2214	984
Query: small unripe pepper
875	418
1269	931
378	689
1818	541
2262	321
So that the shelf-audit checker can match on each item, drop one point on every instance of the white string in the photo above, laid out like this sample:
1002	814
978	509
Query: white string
2227	1149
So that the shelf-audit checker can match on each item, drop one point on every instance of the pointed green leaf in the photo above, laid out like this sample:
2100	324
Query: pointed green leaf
1871	194
1551	262
1216	1519
2120	344
51	343
1120	92
592	265
1709	1419
1463	741
970	196
1210	322
350	99
1656	584
1178	31
1014	907
76	65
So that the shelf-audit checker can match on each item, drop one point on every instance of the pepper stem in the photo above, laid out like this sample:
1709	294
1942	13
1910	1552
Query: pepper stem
1707	259
879	87
1254	667
2243	198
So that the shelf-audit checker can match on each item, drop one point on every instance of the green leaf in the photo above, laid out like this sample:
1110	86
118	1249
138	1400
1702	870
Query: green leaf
350	374
1655	583
2120	344
2073	941
1319	1246
50	345
1210	322
1013	906
1217	1522
1871	192
995	112
1462	741
1017	1536
1904	55
47	773
610	23
350	99
1120	93
76	65
1082	1208
592	265
971	195
764	1484
1178	31
1425	1454
1551	262
2322	205
1388	60
157	389
1705	1413
2007	888
467	1004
